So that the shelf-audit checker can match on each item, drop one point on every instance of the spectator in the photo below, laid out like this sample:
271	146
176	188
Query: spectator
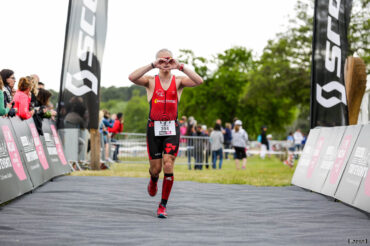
217	140
270	145
239	142
264	143
43	101
304	140
234	120
290	147
227	139
190	132
199	145
8	78
116	129
219	121
3	110
22	99
41	111
298	138
41	85
183	129
183	121
207	145
107	122
34	90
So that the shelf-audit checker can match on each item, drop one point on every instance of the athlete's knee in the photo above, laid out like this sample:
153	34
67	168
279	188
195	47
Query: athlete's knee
155	167
155	171
168	162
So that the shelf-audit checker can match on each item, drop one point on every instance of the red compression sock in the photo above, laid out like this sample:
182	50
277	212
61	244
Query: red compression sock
166	187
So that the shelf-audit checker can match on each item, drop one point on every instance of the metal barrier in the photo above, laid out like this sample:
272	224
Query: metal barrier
193	150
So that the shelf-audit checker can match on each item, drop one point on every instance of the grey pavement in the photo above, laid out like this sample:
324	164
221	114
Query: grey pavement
118	211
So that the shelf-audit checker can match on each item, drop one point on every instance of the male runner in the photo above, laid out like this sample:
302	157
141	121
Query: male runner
163	134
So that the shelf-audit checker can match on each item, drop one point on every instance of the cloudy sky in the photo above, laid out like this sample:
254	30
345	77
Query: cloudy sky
33	32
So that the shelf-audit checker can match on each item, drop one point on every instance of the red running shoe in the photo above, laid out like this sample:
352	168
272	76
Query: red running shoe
162	212
152	188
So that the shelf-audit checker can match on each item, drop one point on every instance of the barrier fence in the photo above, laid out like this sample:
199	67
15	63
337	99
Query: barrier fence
27	160
335	162
193	150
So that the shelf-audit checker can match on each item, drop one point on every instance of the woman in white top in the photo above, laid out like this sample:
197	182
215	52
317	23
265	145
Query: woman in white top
239	142
217	140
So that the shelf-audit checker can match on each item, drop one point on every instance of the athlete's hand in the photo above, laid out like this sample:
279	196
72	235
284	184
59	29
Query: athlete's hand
173	64
160	63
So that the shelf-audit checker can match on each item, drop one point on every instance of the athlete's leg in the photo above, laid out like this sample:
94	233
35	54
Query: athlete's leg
154	171
155	167
168	165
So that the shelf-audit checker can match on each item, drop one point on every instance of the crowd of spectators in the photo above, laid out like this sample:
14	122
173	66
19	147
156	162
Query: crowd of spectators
30	99
109	127
204	144
221	139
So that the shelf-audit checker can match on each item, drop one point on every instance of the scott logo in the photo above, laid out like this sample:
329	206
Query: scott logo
333	60
77	86
85	53
332	101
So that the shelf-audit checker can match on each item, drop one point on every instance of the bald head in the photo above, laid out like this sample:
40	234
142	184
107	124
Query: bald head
163	53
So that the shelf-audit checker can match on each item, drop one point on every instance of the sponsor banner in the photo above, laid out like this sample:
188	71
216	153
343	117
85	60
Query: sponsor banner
330	45
83	52
354	185
32	152
328	155
53	148
14	178
344	151
305	162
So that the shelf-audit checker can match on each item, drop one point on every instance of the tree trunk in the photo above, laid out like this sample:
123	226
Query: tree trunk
355	79
95	149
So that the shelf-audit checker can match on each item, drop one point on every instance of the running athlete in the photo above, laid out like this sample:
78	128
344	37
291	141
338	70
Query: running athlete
163	134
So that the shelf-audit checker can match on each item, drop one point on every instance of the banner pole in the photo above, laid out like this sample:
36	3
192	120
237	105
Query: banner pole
313	87
63	64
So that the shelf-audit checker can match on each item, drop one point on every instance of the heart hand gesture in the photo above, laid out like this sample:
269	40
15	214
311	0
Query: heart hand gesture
166	63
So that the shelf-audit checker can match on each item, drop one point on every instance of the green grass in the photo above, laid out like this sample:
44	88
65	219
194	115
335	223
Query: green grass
268	172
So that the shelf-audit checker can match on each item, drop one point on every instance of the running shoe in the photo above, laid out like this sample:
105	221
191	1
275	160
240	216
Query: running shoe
162	212
152	188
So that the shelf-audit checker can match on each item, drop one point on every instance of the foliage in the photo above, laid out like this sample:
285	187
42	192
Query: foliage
359	31
119	93
219	96
114	106
136	113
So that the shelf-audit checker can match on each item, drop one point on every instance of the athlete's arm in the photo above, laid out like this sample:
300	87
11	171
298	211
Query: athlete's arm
192	79
138	77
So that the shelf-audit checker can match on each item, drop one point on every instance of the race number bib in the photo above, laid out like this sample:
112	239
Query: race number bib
164	128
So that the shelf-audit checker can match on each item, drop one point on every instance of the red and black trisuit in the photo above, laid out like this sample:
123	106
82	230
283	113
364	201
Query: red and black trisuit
163	107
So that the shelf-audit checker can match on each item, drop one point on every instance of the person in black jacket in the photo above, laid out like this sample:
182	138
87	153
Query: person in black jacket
264	142
8	78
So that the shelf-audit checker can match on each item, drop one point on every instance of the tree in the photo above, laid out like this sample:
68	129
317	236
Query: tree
136	113
219	95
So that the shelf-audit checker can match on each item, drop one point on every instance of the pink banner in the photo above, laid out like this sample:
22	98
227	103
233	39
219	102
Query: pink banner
338	164
367	183
315	157
58	145
38	146
15	158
